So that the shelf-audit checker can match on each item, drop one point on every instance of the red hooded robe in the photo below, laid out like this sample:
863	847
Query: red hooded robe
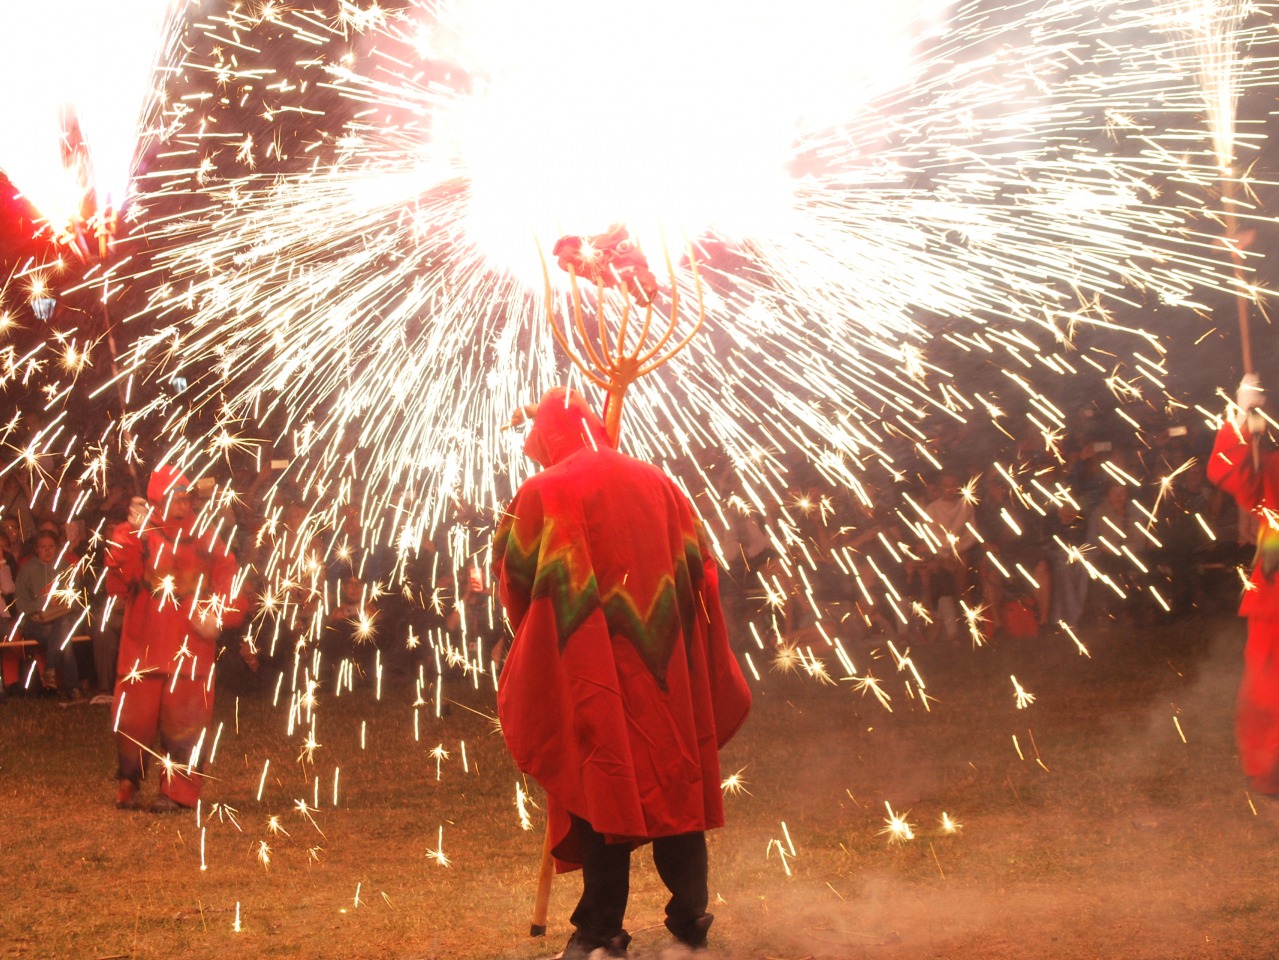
620	686
160	574
1255	486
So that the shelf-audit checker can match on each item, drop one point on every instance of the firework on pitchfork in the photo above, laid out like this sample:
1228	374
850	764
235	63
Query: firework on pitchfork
613	263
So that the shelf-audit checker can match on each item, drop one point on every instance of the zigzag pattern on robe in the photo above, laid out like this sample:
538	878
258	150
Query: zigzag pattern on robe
654	633
520	563
546	563
1268	544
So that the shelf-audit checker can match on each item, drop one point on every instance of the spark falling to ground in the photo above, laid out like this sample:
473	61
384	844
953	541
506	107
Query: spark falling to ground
338	300
333	270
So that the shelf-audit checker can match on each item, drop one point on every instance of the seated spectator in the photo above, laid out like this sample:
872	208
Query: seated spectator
1115	531
45	526
949	571
44	593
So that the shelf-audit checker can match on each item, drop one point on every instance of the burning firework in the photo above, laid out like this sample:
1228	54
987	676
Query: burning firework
80	104
337	230
347	280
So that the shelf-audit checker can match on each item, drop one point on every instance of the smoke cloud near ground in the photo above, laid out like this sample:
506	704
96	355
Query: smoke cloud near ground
1127	841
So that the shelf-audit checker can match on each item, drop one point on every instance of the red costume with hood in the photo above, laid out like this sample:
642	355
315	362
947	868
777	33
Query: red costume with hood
164	685
1255	487
620	686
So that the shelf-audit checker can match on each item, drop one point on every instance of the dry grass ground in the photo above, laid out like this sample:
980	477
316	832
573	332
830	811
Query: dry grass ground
1108	836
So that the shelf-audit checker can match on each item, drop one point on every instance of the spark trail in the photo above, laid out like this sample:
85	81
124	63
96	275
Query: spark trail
341	221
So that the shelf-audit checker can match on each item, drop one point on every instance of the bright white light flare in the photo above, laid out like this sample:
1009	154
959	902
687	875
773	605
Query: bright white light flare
77	85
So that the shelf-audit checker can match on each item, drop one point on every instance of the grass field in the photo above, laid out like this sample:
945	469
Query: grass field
1088	826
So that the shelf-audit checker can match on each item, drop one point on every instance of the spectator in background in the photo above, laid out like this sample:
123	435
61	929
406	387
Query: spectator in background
477	618
12	530
1120	544
113	506
76	537
1014	564
1067	531
952	525
1185	547
15	506
43	526
425	601
747	551
475	628
870	538
1087	478
45	592
8	572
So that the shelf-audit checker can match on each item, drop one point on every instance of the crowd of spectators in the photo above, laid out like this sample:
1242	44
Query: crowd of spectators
958	537
325	591
1034	536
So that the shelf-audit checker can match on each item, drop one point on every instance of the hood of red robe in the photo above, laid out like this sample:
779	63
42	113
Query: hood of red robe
166	480
564	423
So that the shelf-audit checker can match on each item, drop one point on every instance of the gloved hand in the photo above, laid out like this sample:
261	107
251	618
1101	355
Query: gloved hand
205	623
1249	397
139	513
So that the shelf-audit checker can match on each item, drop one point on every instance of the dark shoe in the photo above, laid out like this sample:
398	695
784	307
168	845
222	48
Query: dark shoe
166	804
691	933
580	948
71	698
126	796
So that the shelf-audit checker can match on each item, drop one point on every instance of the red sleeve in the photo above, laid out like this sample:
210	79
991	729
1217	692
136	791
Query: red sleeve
124	560
1231	467
225	572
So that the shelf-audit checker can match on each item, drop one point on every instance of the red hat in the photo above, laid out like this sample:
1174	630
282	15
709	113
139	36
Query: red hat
166	480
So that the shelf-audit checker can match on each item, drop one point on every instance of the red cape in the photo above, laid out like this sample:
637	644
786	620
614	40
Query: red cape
156	635
1255	487
620	686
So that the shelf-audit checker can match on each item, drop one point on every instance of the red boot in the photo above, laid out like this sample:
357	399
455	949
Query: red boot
126	796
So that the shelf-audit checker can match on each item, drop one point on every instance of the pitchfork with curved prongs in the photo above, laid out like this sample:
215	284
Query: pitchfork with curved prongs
613	368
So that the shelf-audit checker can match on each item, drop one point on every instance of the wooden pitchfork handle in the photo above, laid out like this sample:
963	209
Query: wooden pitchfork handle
545	874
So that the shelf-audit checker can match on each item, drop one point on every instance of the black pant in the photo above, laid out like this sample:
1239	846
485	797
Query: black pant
606	883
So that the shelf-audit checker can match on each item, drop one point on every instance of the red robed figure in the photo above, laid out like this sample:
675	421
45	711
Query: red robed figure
620	686
1254	483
